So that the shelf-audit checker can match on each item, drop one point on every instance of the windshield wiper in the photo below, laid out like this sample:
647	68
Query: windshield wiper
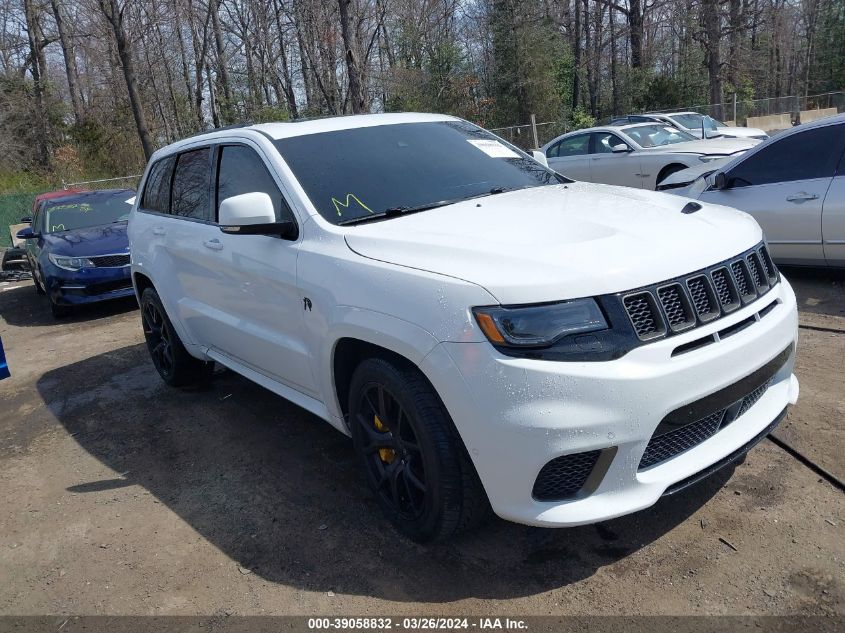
394	212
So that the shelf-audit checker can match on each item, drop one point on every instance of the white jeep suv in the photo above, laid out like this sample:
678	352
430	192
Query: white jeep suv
491	334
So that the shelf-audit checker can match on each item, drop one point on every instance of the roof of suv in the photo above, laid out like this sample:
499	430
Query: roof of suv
302	127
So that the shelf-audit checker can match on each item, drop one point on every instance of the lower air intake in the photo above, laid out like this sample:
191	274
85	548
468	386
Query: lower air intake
564	476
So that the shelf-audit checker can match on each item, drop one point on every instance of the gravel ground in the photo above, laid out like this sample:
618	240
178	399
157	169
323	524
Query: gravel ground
119	495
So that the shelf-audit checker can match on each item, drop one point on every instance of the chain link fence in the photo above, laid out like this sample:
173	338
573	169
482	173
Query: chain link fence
738	111
14	206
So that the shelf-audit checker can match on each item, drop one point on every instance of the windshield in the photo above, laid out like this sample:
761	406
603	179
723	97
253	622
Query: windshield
656	135
361	172
67	215
693	121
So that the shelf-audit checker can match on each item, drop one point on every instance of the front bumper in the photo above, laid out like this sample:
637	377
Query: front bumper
515	415
90	285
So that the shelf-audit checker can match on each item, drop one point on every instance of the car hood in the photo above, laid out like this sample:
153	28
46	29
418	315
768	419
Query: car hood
741	132
105	239
560	242
710	146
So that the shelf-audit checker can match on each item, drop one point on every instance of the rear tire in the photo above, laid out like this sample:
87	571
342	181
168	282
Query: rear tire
172	361
411	454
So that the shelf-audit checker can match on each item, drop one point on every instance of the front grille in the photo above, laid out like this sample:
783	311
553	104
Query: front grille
703	299
643	314
680	304
110	261
675	305
691	424
564	476
108	286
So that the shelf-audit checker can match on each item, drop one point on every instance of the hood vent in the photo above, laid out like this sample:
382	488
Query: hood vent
691	207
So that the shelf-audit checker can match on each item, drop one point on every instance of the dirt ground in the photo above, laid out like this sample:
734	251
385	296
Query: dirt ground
119	495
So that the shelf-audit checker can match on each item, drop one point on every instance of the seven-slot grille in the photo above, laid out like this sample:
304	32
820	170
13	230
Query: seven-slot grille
705	295
110	261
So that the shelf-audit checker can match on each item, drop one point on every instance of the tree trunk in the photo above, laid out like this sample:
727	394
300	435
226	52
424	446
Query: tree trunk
576	54
114	15
713	36
70	64
225	104
38	69
635	23
356	92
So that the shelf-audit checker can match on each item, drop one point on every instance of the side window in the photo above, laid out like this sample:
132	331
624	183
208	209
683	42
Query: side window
799	156
242	171
157	189
603	142
191	179
552	152
574	145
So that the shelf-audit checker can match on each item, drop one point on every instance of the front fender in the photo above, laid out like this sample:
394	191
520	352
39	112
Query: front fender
397	335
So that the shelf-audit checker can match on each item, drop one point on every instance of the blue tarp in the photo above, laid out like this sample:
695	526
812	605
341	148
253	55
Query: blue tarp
4	368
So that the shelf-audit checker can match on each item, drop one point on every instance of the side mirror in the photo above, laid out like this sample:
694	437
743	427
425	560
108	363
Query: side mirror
620	148
720	181
26	234
540	157
26	220
253	214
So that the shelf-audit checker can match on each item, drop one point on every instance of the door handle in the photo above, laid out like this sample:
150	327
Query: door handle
158	230
214	244
801	196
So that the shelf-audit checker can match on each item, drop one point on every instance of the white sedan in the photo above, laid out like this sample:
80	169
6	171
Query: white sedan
638	155
693	122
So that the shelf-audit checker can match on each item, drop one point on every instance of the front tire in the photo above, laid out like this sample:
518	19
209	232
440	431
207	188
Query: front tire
412	456
57	310
172	361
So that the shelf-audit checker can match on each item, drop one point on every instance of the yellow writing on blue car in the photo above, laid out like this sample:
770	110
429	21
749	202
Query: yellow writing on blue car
349	198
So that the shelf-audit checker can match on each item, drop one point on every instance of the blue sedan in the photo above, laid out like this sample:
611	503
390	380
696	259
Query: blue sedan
78	250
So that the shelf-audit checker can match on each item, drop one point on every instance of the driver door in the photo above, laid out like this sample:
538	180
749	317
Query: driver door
613	168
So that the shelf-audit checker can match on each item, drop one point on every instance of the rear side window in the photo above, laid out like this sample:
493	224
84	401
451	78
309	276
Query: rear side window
242	171
157	190
574	146
801	156
191	180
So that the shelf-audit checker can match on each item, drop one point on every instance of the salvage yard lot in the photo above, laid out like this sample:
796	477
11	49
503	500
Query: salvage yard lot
119	495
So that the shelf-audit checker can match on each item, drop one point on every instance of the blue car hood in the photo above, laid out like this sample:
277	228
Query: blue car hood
105	239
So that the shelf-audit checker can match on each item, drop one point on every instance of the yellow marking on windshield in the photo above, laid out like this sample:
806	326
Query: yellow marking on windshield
58	227
349	196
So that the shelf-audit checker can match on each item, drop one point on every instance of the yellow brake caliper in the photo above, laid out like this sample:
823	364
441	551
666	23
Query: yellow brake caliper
387	455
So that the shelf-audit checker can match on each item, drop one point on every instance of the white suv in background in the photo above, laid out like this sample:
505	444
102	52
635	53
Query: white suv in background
489	333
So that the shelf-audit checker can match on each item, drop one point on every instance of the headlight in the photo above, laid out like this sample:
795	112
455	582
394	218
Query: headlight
71	263
707	159
539	325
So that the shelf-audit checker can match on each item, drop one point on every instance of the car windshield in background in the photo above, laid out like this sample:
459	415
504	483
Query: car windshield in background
657	135
354	174
67	214
693	121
